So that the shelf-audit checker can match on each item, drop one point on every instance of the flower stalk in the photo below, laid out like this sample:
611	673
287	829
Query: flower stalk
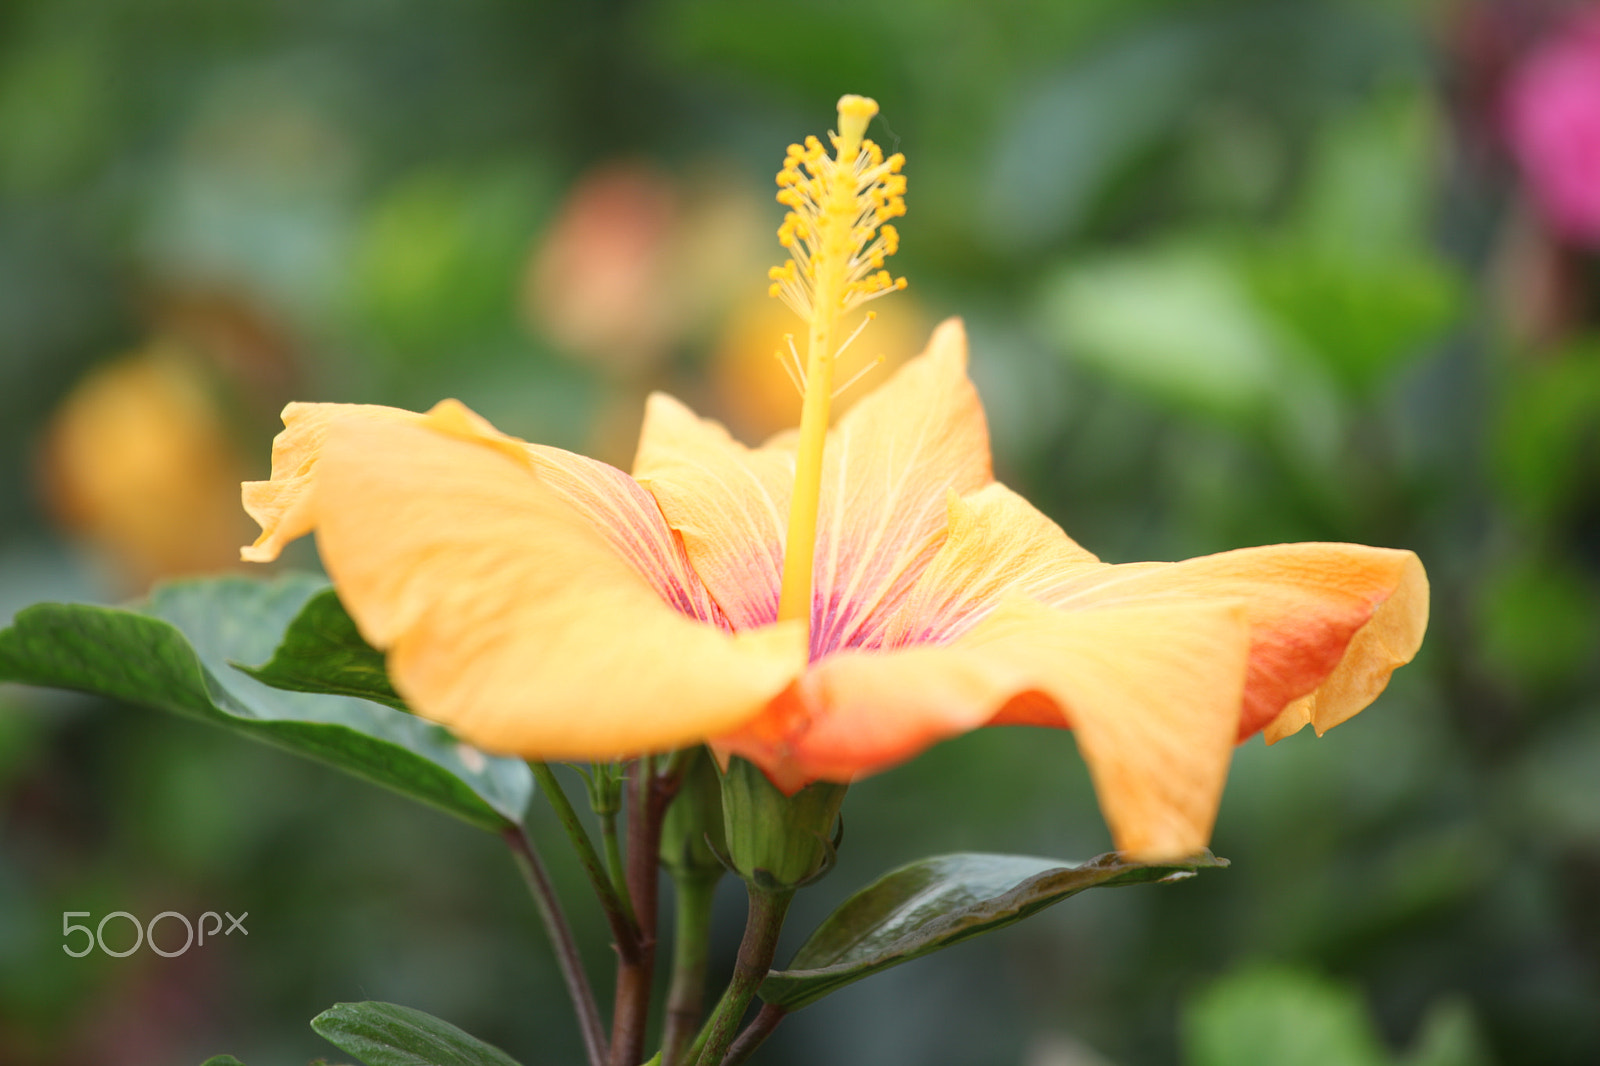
562	944
696	891
756	952
624	932
755	1034
649	794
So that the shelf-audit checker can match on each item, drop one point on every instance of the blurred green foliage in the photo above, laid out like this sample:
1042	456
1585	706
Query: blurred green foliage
1235	273
1279	1016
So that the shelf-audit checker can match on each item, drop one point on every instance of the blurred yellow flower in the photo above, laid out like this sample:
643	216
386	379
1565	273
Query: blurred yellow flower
136	461
832	602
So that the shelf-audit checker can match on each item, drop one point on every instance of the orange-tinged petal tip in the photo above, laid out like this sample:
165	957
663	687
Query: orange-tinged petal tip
1388	640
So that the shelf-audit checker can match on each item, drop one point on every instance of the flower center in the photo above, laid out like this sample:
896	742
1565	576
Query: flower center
835	231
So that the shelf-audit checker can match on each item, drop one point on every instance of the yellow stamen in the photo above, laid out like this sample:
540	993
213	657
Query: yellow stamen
836	236
851	339
877	361
789	367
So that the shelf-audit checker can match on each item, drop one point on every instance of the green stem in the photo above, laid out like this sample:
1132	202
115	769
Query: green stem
561	942
760	1027
619	874
756	952
686	994
623	930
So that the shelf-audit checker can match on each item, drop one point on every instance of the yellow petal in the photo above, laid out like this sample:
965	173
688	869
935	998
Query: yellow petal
1384	644
1312	608
888	467
283	505
888	470
627	516
615	505
1152	693
505	616
729	503
997	544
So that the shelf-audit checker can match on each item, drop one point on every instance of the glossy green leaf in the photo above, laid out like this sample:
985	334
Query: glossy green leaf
936	902
384	1034
322	651
222	1060
174	653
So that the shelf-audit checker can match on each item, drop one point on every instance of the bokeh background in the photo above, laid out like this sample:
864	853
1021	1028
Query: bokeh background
1236	272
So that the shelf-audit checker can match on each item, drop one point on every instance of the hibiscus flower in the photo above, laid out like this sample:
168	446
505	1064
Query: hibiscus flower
832	602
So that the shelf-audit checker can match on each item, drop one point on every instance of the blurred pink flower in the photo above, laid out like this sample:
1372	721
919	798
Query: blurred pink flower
1553	117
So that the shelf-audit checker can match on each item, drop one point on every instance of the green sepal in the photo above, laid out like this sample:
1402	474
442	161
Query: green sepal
775	842
933	903
386	1034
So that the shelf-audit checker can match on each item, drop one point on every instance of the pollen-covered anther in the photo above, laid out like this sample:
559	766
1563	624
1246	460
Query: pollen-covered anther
835	226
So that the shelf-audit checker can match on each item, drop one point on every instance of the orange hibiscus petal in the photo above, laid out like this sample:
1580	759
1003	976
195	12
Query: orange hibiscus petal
729	503
283	505
505	616
888	469
997	544
1152	693
888	466
617	507
1388	641
627	516
1308	605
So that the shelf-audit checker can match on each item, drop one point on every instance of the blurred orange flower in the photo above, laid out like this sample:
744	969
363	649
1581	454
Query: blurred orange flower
595	282
828	604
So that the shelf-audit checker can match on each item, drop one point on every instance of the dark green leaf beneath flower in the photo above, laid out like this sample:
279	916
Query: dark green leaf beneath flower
936	902
322	651
174	653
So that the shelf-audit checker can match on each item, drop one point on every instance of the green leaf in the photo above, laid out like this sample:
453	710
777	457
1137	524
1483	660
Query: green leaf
1210	347
1353	273
384	1034
174	653
1278	1016
1450	1036
1063	148
322	651
222	1060
936	902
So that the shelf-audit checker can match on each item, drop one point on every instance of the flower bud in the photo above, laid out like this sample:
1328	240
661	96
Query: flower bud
775	842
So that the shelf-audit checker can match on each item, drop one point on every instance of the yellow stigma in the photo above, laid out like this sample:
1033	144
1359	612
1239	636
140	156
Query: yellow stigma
838	240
